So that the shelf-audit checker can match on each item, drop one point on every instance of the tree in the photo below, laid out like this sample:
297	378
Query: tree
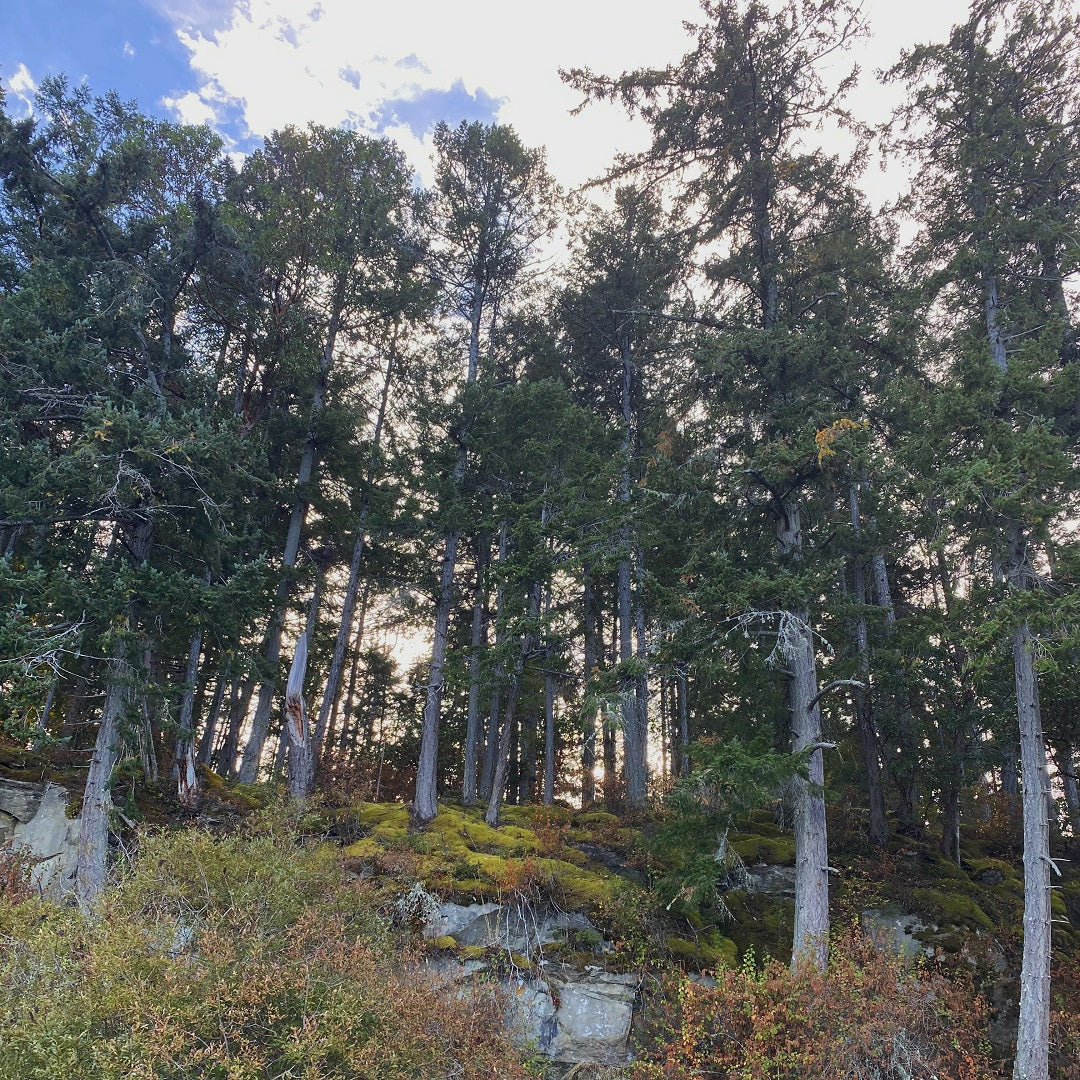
728	121
492	205
335	207
992	119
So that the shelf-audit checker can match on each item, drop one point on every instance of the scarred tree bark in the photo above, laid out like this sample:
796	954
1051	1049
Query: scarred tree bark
796	644
301	752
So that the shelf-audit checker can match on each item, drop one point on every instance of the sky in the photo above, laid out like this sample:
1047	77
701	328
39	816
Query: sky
248	67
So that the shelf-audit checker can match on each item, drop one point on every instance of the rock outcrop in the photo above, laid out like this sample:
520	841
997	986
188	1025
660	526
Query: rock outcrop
567	1013
34	818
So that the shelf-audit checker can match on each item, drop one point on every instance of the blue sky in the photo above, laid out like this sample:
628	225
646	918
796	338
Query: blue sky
114	44
248	67
139	49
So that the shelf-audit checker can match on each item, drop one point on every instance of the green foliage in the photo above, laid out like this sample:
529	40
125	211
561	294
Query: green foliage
697	844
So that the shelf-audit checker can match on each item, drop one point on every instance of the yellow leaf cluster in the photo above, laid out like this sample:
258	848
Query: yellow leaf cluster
826	437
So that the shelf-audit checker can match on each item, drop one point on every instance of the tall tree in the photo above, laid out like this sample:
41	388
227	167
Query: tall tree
729	122
992	119
335	208
493	203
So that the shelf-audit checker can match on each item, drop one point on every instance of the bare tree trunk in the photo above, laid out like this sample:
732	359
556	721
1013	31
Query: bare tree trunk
209	732
633	744
492	740
425	802
41	726
502	760
477	643
1010	776
249	766
868	739
348	607
329	737
902	774
239	700
641	678
811	937
527	732
1067	772
665	727
588	747
93	851
1033	1033
91	860
549	738
301	752
187	783
684	722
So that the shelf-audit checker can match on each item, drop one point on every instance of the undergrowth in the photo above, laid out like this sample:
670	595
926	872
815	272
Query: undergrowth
868	1017
244	956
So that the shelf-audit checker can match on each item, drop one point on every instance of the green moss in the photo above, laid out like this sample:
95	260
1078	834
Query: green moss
708	951
947	869
444	942
951	908
394	814
457	831
685	952
977	867
595	818
1057	905
776	850
243	796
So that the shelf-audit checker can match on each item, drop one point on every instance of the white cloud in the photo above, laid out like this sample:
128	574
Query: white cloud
190	108
128	50
283	64
278	62
22	86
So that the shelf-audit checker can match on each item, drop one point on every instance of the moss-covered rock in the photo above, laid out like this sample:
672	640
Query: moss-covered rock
949	907
774	850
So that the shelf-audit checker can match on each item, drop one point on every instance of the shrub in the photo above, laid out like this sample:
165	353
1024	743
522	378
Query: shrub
867	1017
227	959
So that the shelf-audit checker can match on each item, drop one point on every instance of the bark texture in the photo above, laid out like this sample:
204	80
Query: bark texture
810	942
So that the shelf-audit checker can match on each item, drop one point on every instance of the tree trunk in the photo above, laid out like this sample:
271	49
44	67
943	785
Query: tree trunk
549	738
425	801
635	740
93	850
492	738
249	766
348	607
684	722
91	860
301	752
477	643
811	938
240	699
502	759
1070	787
187	783
868	739
641	654
633	744
588	746
330	735
903	772
1033	1033
209	732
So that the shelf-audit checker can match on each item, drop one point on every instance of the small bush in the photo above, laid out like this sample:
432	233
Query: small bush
867	1017
16	865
